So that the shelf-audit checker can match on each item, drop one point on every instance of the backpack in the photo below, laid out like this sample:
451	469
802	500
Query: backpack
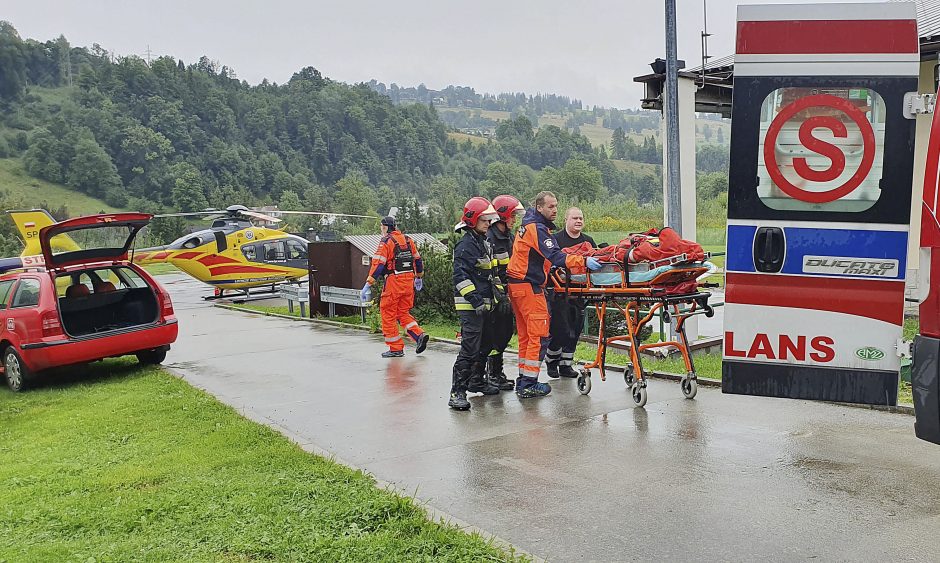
404	259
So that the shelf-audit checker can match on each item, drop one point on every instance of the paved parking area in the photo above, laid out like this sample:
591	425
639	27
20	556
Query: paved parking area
573	478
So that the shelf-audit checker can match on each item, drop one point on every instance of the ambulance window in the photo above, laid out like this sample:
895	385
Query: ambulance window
249	251
821	149
5	287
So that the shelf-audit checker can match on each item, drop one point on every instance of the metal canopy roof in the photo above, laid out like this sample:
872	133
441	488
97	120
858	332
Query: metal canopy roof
715	83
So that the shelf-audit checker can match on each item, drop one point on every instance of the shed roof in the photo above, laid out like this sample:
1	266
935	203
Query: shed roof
368	244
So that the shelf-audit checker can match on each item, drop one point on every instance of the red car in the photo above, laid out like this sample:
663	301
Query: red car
87	302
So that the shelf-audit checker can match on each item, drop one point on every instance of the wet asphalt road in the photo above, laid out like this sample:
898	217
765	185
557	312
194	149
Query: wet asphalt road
573	478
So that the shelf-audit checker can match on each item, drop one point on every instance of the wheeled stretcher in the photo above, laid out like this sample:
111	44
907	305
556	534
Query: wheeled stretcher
640	291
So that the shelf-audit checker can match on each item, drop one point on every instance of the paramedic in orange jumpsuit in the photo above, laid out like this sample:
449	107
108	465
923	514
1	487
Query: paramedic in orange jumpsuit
398	260
534	252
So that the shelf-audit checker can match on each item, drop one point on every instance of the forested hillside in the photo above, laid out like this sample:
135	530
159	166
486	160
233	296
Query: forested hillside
172	135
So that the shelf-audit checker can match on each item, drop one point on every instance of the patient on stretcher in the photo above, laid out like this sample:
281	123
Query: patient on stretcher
648	256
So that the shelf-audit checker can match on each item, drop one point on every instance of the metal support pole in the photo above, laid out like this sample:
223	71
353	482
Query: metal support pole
671	105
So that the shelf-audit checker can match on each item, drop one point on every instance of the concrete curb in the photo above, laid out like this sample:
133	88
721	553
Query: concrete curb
703	381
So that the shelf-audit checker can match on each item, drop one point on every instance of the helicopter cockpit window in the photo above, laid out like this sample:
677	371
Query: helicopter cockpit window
273	250
249	251
296	250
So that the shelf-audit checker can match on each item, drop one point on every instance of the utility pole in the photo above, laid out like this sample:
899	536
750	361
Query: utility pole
148	54
671	94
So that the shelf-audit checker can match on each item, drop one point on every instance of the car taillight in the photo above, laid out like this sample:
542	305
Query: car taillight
166	304
50	324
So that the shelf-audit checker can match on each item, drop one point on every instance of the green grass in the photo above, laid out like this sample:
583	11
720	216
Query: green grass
133	464
161	269
911	328
33	192
461	137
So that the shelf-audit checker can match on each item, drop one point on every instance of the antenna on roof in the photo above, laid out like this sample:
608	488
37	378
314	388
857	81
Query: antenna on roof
705	36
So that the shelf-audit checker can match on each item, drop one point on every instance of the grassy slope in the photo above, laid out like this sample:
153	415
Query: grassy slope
138	465
33	192
461	137
597	134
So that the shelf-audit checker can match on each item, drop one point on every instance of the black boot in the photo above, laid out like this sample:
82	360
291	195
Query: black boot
567	371
552	369
479	383
458	401
494	372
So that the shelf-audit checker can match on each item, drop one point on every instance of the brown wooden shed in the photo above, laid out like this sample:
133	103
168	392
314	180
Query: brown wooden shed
346	263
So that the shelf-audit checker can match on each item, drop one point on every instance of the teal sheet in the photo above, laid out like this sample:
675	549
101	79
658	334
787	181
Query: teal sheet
613	277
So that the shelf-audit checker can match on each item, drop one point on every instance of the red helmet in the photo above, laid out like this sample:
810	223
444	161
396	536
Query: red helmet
475	209
507	206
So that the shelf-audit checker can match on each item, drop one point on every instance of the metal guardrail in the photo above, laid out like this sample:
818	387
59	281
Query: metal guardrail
334	296
295	294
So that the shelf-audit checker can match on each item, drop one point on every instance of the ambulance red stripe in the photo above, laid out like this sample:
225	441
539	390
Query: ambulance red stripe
790	37
874	299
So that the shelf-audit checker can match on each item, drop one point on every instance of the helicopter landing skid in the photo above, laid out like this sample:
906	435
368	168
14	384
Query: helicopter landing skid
244	295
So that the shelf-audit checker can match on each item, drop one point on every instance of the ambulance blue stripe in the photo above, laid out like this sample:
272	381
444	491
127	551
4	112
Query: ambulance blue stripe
818	242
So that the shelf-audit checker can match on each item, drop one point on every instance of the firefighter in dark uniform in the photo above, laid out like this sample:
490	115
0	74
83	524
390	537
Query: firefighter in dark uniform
501	320
474	266
567	314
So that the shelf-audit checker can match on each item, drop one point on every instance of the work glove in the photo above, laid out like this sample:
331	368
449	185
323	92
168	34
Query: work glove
419	284
481	310
366	294
592	264
504	307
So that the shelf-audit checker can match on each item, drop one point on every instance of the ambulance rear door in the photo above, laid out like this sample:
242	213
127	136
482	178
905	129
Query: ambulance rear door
819	200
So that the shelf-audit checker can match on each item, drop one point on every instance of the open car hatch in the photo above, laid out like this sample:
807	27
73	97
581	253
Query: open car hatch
100	238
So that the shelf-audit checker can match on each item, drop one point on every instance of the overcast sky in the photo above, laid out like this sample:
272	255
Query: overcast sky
589	50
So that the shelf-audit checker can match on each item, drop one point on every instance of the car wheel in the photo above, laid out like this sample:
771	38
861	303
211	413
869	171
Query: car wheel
15	371
152	357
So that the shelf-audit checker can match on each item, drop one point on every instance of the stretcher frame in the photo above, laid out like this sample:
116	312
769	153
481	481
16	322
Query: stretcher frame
639	302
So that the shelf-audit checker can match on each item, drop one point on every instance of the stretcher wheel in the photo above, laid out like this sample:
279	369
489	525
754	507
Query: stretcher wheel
689	387
667	318
639	394
709	311
628	376
584	383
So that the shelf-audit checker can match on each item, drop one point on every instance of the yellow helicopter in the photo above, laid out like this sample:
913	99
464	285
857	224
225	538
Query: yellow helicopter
233	254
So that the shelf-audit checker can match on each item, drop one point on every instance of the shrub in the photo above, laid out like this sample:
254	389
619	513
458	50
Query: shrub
436	301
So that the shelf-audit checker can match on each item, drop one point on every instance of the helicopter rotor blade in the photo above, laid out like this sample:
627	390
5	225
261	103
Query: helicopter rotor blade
323	213
260	216
191	214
